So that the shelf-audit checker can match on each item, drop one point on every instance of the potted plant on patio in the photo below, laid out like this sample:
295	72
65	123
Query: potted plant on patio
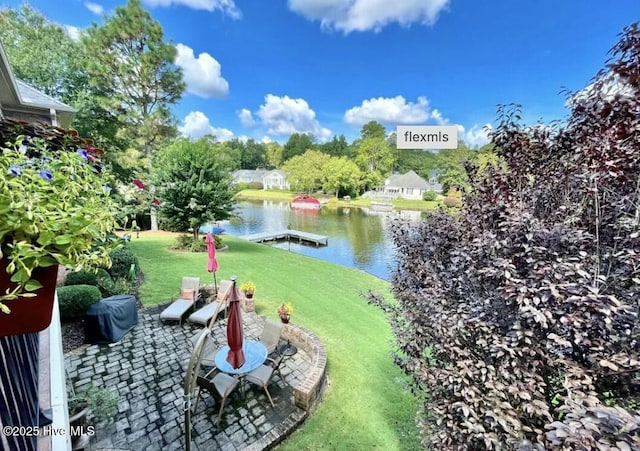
248	288
284	312
99	401
55	209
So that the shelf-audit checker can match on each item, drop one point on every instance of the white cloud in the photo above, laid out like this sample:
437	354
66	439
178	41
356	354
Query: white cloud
363	15
266	140
476	136
436	115
197	124
202	74
389	111
95	8
226	6
246	118
284	116
73	32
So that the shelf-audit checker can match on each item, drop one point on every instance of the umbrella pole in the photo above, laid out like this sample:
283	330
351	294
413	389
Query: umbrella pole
215	283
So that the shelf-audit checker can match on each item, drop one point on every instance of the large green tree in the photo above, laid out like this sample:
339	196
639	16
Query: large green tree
306	170
193	185
137	81
337	147
341	174
42	54
375	160
297	144
273	155
373	129
133	72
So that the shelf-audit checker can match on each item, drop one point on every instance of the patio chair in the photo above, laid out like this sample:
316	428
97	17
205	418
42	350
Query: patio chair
208	314
264	373
189	292
220	386
270	336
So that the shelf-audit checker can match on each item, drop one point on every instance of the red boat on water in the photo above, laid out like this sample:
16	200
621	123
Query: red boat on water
305	202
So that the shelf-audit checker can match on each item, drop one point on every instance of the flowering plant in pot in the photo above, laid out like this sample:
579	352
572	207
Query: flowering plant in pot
55	209
284	311
248	288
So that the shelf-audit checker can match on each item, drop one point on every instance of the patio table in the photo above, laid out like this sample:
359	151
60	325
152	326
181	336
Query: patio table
255	354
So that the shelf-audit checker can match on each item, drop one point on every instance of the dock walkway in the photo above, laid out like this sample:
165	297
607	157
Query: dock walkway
302	237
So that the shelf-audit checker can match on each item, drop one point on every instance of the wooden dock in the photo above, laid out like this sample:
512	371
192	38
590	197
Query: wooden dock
288	235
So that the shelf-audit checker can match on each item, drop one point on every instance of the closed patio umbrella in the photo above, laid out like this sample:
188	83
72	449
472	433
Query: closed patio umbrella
234	329
212	263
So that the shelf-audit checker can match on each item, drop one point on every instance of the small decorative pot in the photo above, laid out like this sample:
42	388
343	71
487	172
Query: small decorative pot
28	314
285	318
249	294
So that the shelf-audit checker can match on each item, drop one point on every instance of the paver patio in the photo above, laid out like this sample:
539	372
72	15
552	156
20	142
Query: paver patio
147	367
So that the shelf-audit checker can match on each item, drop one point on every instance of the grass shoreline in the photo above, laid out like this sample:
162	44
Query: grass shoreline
365	404
332	202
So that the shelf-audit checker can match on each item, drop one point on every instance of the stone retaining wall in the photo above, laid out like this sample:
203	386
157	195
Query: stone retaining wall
309	392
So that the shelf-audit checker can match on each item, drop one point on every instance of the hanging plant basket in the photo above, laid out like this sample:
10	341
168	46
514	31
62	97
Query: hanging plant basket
32	314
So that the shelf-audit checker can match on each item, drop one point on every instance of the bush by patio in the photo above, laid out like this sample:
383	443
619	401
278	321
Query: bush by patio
121	260
81	278
76	299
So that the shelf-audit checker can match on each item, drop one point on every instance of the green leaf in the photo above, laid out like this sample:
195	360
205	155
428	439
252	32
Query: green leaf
63	239
32	285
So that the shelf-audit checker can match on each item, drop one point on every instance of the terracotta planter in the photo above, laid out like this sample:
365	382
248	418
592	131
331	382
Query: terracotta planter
285	318
31	314
249	294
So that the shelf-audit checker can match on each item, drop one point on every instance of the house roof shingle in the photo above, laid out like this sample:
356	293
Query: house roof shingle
408	180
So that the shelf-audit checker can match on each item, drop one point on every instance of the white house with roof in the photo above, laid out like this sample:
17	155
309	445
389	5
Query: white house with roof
270	179
408	186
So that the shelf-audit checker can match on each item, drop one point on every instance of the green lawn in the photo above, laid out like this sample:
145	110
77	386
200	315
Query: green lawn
265	194
365	405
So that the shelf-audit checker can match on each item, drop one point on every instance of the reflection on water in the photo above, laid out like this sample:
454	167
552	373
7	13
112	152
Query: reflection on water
358	238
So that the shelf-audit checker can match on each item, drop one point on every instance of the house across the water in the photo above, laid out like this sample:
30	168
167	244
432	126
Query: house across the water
408	186
270	179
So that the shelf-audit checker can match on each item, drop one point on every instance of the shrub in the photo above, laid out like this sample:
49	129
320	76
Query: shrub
81	278
242	186
110	287
191	244
430	196
452	202
519	317
76	299
121	260
256	185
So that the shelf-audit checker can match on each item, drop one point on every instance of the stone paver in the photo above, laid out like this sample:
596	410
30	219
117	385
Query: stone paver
146	368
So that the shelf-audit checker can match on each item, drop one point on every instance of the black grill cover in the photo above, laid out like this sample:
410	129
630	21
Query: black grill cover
110	319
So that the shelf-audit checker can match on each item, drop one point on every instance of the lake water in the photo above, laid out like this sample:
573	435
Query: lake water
358	238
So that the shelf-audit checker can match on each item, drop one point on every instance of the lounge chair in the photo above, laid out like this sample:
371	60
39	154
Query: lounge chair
189	292
208	314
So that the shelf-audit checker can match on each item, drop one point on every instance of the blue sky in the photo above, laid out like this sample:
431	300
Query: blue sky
265	69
